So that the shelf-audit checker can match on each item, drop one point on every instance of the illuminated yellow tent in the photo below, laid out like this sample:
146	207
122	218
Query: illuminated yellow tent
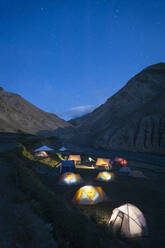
42	154
103	163
104	176
128	221
89	195
70	178
76	158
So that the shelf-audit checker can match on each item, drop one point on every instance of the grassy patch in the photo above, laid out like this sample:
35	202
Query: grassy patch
50	161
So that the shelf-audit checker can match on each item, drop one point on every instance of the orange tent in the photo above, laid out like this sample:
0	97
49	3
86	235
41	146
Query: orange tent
89	195
103	162
76	158
120	161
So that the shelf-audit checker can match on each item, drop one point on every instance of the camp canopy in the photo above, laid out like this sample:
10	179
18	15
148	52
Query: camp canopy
104	176
62	149
44	148
76	158
70	178
103	162
128	221
89	195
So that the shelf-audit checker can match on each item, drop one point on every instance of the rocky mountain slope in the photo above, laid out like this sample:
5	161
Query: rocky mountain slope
133	119
17	114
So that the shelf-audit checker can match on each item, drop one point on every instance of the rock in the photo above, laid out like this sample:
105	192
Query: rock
18	115
133	119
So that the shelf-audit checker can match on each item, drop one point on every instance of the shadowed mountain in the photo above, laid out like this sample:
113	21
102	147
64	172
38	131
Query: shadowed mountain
17	114
133	119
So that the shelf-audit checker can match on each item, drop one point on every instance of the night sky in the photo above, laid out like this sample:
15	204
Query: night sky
69	56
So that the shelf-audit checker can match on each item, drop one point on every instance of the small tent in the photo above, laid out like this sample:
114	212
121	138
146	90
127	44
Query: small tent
89	195
42	154
103	163
104	176
63	149
136	173
76	158
125	169
128	221
70	178
67	166
118	162
44	148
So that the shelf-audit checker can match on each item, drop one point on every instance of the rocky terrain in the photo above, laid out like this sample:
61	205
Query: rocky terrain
18	115
133	119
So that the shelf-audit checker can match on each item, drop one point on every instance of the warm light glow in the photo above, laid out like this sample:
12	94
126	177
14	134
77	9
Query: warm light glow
74	157
69	178
89	195
103	161
121	161
104	176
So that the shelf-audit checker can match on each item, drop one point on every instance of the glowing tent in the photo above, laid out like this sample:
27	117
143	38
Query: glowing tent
42	154
103	163
89	195
120	161
43	148
76	158
125	169
104	176
136	173
128	221
70	178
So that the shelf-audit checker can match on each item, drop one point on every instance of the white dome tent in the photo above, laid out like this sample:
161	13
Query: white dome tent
128	221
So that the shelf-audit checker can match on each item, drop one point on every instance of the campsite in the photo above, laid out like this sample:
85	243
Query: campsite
146	193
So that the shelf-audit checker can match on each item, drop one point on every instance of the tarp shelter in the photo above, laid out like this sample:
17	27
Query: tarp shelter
67	166
128	221
136	173
62	149
43	148
103	163
76	158
125	169
42	154
70	178
89	195
104	176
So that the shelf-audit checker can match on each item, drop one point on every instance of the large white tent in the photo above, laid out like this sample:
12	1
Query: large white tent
128	221
43	148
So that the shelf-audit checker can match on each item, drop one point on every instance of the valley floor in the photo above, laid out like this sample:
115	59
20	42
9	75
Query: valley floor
145	193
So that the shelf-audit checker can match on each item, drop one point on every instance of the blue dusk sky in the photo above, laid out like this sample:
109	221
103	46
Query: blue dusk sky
69	56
